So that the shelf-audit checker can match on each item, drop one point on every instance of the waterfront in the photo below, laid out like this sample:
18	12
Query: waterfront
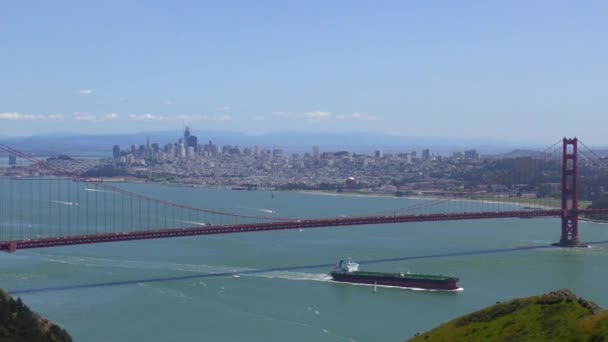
296	305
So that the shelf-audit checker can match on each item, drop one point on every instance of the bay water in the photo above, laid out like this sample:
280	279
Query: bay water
183	289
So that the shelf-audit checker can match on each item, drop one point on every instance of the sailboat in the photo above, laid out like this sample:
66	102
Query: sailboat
376	287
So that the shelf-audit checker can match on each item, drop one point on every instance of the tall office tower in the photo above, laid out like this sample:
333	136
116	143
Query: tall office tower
315	152
378	154
186	134
116	152
182	151
471	155
170	150
192	142
426	154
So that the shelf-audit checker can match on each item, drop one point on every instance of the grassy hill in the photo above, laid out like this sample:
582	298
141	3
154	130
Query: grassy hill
19	323
556	316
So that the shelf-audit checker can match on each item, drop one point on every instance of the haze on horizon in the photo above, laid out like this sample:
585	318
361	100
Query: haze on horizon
514	71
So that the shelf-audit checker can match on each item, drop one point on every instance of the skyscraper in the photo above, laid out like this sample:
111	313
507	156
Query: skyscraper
471	155
182	151
116	152
186	134
192	142
315	152
426	154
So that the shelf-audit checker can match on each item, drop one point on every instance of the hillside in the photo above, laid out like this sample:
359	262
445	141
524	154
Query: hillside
556	316
19	323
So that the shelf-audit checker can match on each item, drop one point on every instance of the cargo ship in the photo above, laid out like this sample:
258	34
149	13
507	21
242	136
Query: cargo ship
348	272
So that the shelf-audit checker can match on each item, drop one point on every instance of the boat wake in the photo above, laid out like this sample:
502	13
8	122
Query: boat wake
96	190
294	276
75	204
267	211
137	264
231	272
196	223
168	266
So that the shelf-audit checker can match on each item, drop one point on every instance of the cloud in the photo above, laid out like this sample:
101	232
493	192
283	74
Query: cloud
319	115
187	117
357	116
223	109
84	117
56	117
85	92
21	116
111	116
259	118
146	117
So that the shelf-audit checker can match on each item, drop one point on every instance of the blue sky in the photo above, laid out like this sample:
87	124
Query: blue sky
512	70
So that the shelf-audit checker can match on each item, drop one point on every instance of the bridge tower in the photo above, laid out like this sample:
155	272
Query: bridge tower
569	215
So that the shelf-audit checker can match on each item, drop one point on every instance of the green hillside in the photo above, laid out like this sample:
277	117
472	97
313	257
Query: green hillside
556	316
19	323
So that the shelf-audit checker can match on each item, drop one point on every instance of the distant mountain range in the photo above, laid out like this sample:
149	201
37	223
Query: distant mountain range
290	142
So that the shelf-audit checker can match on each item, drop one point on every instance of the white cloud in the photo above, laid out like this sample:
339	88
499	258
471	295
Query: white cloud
357	116
56	117
318	115
111	116
85	92
146	117
84	117
259	118
187	117
22	116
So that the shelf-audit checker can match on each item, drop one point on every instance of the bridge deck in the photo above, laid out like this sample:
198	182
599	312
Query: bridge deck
257	227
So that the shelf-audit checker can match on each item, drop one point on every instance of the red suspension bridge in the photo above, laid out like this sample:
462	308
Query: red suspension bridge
48	204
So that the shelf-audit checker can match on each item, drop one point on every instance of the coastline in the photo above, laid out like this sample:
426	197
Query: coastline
390	195
504	200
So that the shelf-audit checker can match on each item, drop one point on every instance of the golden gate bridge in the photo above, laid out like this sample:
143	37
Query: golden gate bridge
46	204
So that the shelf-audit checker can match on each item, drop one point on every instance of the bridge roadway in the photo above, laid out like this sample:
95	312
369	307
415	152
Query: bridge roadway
284	225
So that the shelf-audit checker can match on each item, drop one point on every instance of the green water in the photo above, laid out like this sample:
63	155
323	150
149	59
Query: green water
297	305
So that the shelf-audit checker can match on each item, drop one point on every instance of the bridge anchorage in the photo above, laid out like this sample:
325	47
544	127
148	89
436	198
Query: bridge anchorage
570	210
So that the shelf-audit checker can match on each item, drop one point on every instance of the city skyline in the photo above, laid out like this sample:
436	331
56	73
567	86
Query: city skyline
518	71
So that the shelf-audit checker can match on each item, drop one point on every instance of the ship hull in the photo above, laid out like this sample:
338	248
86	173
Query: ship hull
429	284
